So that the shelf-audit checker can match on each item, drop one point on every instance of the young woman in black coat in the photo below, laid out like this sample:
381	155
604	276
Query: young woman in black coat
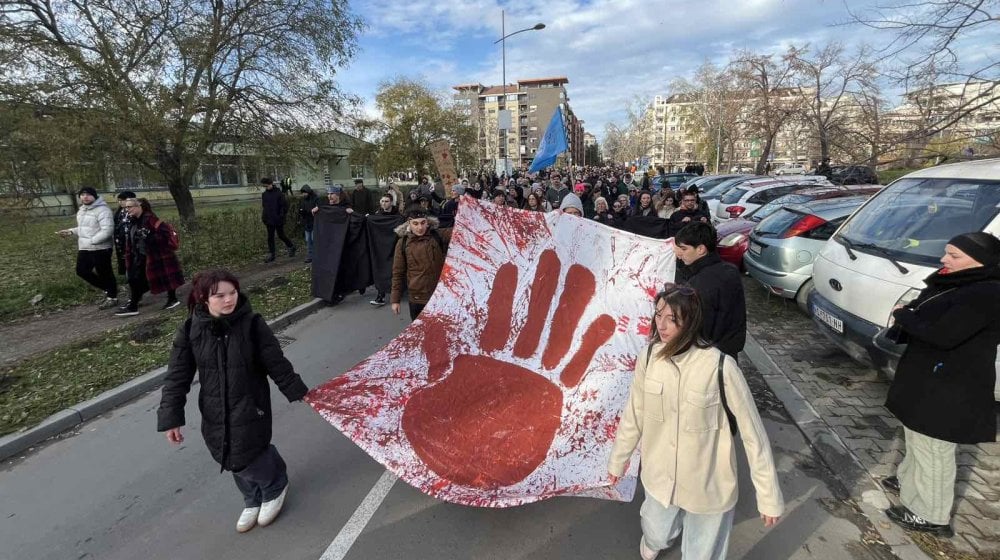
234	352
943	388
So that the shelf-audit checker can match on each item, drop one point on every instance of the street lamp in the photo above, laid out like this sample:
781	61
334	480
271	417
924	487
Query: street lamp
503	50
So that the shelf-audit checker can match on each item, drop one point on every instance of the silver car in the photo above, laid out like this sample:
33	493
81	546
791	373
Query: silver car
782	246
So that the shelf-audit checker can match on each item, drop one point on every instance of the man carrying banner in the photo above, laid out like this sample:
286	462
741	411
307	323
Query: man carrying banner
418	260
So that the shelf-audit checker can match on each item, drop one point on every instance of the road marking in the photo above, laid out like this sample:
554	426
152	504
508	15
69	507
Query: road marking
359	519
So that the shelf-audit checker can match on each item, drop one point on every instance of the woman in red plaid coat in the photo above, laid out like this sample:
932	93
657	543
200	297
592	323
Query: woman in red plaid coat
151	263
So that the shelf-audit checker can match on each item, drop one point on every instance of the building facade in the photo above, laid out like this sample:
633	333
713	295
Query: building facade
531	103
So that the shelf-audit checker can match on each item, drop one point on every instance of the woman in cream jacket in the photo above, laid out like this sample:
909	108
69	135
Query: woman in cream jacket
676	416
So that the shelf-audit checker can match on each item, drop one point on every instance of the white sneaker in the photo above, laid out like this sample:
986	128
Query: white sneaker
247	519
269	510
645	552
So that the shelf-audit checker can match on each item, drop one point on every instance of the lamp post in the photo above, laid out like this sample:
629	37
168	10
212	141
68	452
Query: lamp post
503	53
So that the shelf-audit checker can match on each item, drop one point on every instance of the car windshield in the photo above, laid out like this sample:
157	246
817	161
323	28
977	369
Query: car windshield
913	219
733	195
776	204
778	222
721	188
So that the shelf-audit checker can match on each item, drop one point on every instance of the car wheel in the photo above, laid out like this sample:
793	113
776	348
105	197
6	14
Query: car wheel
802	298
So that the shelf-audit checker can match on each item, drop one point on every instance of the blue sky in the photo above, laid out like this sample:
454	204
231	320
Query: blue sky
611	50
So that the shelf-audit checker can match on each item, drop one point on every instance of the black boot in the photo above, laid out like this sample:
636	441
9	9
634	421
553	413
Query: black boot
270	258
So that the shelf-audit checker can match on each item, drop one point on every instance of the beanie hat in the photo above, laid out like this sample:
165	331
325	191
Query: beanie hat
571	201
979	245
126	194
579	188
88	190
335	189
306	189
458	189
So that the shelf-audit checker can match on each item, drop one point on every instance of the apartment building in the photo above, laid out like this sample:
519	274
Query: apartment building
531	104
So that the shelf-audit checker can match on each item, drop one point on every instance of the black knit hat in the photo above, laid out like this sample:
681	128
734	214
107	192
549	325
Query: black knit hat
125	195
88	190
979	245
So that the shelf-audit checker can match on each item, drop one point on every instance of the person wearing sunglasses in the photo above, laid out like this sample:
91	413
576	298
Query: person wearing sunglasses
718	283
685	403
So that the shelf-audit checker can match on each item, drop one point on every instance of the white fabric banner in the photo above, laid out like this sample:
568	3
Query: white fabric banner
508	387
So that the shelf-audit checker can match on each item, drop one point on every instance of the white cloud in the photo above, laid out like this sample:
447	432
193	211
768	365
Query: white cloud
611	50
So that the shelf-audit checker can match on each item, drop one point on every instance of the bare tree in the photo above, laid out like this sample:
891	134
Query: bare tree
943	55
713	106
636	138
771	97
828	77
168	79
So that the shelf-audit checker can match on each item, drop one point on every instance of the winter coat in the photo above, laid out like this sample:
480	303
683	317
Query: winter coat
420	268
306	204
606	218
674	414
361	201
147	253
233	356
121	219
677	222
446	216
95	226
943	387
723	306
274	207
555	196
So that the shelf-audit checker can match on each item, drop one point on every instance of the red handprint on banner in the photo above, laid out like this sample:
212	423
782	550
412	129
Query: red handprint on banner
484	421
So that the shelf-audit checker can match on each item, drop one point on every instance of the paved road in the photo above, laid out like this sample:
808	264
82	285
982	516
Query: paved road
115	489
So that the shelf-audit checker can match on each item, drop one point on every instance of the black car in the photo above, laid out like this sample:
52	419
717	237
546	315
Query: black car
854	175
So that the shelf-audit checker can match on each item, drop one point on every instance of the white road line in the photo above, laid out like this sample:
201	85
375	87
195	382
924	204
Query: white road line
359	519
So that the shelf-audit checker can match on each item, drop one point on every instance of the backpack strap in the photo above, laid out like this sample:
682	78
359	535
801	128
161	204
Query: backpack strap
649	353
733	428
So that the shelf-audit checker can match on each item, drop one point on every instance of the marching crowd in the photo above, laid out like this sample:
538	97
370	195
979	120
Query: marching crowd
683	383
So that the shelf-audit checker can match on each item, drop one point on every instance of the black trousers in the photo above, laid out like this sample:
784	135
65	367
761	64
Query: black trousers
263	479
415	309
95	268
280	230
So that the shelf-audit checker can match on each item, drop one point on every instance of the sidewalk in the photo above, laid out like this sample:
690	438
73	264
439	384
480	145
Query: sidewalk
848	402
32	335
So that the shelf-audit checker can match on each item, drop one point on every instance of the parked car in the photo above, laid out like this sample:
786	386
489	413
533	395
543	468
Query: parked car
782	246
791	169
734	235
677	179
740	168
881	254
753	194
706	182
853	175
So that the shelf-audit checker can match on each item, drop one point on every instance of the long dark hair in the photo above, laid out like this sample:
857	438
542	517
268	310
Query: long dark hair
686	306
206	283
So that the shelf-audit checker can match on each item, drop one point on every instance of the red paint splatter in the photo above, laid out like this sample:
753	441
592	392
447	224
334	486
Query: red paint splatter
543	288
644	326
598	333
500	306
578	291
484	429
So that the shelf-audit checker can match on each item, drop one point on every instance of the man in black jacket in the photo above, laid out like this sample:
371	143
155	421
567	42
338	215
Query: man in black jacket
690	211
274	208
718	284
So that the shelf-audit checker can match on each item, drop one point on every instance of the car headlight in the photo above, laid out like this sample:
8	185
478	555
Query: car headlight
904	299
732	240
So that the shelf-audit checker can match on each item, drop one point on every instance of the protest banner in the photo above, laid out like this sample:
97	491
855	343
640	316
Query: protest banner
508	387
445	163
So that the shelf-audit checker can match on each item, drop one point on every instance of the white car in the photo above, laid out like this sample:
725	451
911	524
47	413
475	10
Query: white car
791	169
753	194
879	257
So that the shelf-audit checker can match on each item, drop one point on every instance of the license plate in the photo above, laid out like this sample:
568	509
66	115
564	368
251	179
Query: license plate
755	248
827	318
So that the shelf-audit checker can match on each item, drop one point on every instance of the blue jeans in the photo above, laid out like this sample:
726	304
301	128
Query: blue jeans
309	243
706	536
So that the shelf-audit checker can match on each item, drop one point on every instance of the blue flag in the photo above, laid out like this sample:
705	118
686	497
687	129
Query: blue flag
552	144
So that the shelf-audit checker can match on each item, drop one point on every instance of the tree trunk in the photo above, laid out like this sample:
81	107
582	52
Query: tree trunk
181	194
764	153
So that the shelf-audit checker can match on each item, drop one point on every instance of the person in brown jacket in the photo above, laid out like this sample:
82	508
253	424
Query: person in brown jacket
418	260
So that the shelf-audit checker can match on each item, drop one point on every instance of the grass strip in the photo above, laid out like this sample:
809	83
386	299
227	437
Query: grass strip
63	377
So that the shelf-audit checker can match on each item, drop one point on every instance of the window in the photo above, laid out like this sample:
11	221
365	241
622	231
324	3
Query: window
511	97
532	108
357	172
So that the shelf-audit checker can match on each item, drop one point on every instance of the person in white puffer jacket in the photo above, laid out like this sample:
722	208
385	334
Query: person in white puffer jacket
95	225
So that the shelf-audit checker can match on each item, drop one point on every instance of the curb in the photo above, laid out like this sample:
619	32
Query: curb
845	465
73	416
